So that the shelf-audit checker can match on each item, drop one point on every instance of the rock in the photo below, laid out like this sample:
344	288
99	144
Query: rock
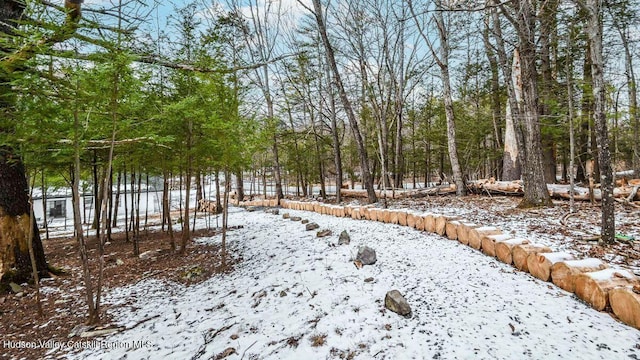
366	255
324	233
305	221
344	239
151	254
395	302
283	293
15	287
312	226
275	211
368	280
285	216
295	218
119	262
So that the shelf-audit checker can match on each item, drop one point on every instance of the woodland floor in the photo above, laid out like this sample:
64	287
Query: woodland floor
63	296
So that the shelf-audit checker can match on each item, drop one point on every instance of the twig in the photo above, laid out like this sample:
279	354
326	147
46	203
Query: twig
208	338
245	350
141	322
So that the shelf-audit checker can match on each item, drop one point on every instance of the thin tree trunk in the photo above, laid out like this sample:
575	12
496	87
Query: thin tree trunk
594	32
346	103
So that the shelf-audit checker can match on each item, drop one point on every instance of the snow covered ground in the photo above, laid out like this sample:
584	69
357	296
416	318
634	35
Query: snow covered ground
293	290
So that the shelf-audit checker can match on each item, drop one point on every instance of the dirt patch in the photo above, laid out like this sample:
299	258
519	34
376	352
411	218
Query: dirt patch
63	297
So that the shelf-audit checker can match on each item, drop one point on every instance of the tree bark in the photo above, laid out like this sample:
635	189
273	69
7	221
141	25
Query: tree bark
594	32
346	103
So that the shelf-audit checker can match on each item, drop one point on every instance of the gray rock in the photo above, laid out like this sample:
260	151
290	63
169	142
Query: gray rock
324	233
275	211
344	238
395	302
368	280
15	287
312	226
295	218
285	215
366	255
305	221
151	254
119	262
283	293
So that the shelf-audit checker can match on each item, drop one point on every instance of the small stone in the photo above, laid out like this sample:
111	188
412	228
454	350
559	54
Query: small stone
283	293
368	280
15	287
395	302
305	221
151	254
312	226
275	211
344	238
119	262
285	216
324	233
295	218
20	294
234	337
366	255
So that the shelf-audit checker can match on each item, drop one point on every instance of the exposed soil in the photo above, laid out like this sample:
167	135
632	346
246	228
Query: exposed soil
63	297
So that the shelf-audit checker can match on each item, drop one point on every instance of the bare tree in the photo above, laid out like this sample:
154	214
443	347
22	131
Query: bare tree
346	103
443	63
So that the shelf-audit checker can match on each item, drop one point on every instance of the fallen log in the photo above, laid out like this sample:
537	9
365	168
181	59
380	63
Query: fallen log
563	273
441	223
463	231
540	264
594	287
412	218
520	253
489	243
430	222
402	218
451	230
625	304
504	250
393	216
476	235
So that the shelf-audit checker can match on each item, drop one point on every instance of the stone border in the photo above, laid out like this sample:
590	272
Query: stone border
591	280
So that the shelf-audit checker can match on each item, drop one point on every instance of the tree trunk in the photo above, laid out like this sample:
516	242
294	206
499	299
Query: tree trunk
448	106
594	32
527	125
367	179
15	264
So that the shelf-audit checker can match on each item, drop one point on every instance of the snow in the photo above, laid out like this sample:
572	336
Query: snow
588	263
555	257
292	286
500	237
607	274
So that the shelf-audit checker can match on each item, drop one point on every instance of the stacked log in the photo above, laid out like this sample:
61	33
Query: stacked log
420	222
625	304
451	230
540	264
412	218
489	243
402	218
464	231
393	216
594	287
476	235
563	273
441	223
430	222
520	253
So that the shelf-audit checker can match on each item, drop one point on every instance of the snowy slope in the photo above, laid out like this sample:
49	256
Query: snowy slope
292	286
